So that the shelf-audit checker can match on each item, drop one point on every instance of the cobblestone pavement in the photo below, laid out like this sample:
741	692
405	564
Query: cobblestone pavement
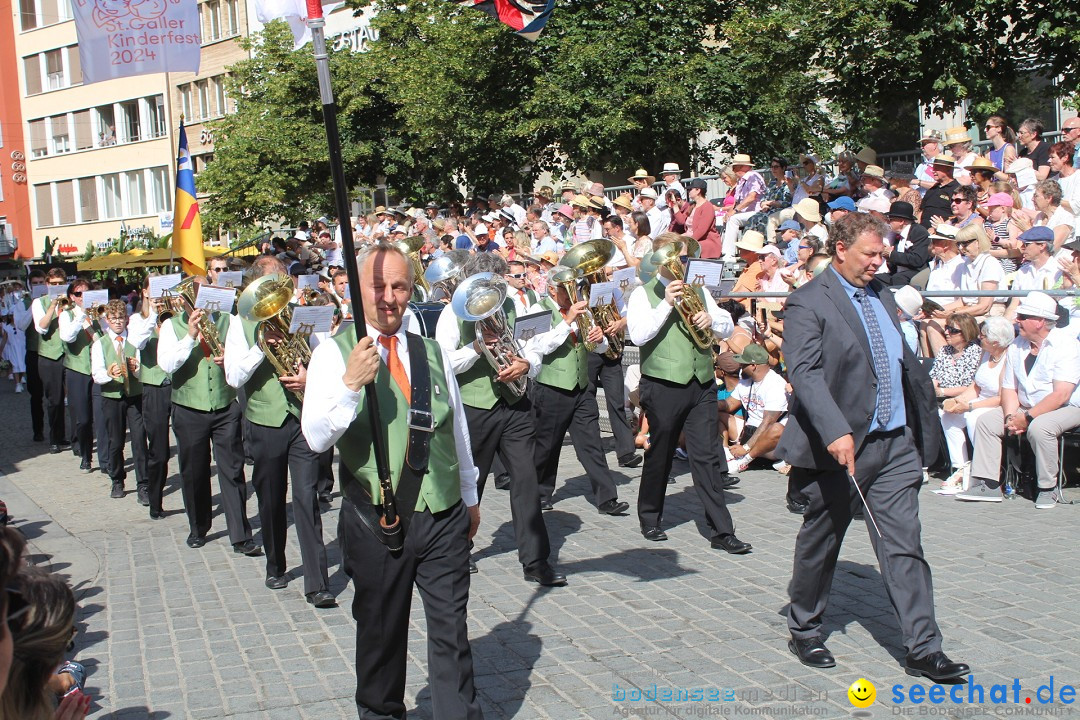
170	632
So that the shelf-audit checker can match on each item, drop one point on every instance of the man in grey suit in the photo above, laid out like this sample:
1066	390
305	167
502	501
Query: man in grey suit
862	407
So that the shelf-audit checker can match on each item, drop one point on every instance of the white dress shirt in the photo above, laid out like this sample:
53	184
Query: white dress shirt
659	221
330	407
553	339
1058	361
97	358
71	323
241	359
173	352
140	329
945	276
463	358
643	321
23	316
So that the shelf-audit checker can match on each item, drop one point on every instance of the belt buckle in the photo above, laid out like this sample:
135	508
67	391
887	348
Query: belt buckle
421	420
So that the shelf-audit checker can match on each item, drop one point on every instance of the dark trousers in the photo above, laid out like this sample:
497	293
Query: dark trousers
51	373
36	391
511	429
436	559
121	415
575	410
889	473
281	453
100	431
326	472
689	409
157	406
608	374
195	431
81	406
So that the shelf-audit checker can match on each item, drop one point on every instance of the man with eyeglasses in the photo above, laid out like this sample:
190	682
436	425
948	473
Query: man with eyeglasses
214	267
924	173
523	296
51	358
1038	271
937	202
24	315
1070	132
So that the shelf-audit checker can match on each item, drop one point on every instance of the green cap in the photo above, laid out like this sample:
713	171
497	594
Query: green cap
753	355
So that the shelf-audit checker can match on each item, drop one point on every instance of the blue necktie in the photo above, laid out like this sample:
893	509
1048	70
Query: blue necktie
881	359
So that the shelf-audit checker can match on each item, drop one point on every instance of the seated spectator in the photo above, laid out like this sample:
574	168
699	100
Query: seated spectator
809	185
954	368
1067	178
638	227
730	425
908	250
808	214
798	274
749	194
1039	399
1047	199
788	242
749	281
1039	271
982	177
841	185
945	270
770	279
1033	148
1002	139
1069	262
980	271
763	393
908	305
873	183
743	334
838	208
960	412
900	177
998	216
1022	178
777	196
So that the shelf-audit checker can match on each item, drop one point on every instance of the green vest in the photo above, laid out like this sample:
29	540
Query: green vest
268	403
567	368
32	336
115	388
152	374
672	355
441	486
478	386
50	345
199	383
77	353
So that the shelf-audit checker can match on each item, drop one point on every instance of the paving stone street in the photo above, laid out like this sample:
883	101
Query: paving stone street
670	630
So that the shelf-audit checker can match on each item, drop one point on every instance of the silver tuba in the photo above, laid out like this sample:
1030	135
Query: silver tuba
444	274
479	299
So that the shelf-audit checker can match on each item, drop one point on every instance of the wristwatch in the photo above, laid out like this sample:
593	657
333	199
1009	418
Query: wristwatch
1027	417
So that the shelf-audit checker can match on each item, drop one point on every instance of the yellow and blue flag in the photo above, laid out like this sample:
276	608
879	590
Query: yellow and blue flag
187	239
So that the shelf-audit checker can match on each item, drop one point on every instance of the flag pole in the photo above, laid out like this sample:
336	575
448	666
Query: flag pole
390	523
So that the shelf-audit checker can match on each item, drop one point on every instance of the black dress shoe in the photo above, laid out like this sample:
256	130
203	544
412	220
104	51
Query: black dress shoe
731	545
472	567
321	599
54	449
631	462
144	497
730	481
38	437
546	576
276	582
812	652
196	542
157	514
117	490
546	505
85	466
325	498
655	534
671	480
248	548
936	666
502	482
613	507
796	508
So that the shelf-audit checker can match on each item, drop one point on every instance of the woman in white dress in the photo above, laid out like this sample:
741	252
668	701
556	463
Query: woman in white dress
14	351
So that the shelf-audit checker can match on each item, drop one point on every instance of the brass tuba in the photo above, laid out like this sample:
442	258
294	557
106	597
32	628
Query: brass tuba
411	247
564	277
479	299
668	257
588	260
181	298
444	273
266	301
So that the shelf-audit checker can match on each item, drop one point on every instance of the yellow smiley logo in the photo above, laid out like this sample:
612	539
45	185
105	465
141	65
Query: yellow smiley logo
862	693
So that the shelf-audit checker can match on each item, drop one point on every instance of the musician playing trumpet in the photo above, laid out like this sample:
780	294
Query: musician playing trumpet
678	394
46	311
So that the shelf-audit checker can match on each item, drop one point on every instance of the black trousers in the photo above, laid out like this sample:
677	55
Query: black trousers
51	373
608	374
436	560
889	473
195	431
100	431
512	430
689	409
326	472
575	410
120	416
280	453
80	389
157	406
36	391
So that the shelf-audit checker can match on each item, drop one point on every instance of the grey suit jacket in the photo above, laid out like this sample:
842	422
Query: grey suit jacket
831	370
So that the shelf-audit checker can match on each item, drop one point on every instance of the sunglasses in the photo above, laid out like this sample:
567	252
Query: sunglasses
77	294
956	201
1027	317
990	127
949	330
964	243
516	276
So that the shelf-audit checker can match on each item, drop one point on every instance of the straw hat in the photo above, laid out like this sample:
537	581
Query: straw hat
874	171
955	135
642	174
809	209
751	240
982	163
741	159
581	201
624	201
867	155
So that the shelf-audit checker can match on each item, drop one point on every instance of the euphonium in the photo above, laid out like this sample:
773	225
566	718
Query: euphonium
588	260
181	298
443	273
479	299
411	247
668	258
266	301
564	277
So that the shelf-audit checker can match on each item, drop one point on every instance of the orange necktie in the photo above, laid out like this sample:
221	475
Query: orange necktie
397	370
524	299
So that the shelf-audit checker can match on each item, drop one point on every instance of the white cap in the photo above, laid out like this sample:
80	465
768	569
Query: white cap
769	250
908	299
648	193
480	229
875	202
1038	304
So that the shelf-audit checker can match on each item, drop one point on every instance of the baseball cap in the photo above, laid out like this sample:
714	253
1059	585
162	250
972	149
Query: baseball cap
753	354
843	203
769	250
1000	199
790	225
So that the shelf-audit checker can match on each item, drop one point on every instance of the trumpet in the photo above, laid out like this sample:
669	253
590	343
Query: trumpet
667	258
587	260
479	299
563	277
266	301
411	246
63	302
181	298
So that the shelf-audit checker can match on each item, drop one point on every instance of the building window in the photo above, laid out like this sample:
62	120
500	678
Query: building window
39	143
159	184
130	128
43	198
28	12
88	199
65	202
61	142
212	21
136	192
112	204
84	130
74	66
106	125
233	10
185	102
54	69
155	105
204	99
32	71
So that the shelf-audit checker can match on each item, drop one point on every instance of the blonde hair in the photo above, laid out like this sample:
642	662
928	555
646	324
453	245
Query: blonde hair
974	231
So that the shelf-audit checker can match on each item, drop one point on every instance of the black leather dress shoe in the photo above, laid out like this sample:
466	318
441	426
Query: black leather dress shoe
546	576
812	652
472	567
731	545
730	481
546	505
85	466
54	449
631	462
325	498
613	507
321	599
654	534
117	490
276	582
157	514
796	508
38	437
196	542
248	548
936	666
502	482
143	496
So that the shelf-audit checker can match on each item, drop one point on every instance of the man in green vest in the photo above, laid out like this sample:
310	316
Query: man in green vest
78	331
24	317
51	358
434	482
678	395
205	412
156	398
115	366
501	421
562	400
279	449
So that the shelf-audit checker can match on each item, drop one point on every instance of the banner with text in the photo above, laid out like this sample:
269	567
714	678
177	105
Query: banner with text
121	38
